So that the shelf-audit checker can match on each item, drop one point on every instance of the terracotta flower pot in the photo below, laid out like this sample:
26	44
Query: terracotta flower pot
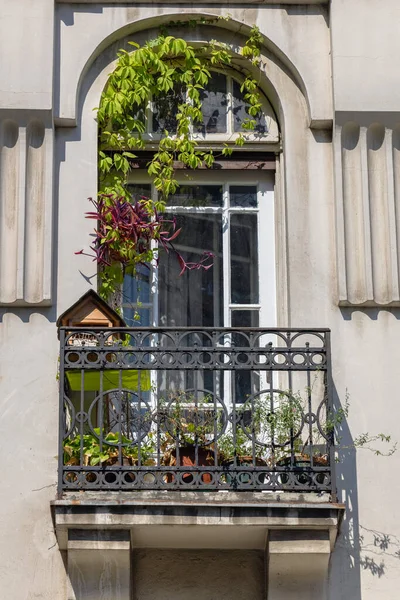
187	458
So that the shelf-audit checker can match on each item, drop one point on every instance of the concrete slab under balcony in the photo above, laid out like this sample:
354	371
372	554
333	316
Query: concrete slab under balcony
196	519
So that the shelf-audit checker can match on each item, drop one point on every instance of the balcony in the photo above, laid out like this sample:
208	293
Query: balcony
200	409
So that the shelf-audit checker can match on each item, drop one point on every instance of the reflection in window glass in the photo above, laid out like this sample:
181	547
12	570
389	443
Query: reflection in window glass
244	263
240	108
197	195
165	109
194	298
214	105
135	292
139	114
139	191
137	288
244	196
245	318
245	382
136	317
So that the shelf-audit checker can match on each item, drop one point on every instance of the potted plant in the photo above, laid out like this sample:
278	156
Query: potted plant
107	454
237	450
267	433
239	447
189	428
290	449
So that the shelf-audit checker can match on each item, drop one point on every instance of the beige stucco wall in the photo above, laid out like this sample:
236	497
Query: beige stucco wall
299	61
26	45
31	564
200	574
365	47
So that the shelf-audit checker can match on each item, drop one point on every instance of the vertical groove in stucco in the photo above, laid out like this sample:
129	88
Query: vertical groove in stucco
379	214
34	212
9	172
396	189
353	214
392	223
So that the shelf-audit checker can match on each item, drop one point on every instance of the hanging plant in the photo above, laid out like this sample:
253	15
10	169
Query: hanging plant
131	233
124	238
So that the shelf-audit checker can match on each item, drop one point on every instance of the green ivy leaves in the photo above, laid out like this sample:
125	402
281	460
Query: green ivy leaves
161	66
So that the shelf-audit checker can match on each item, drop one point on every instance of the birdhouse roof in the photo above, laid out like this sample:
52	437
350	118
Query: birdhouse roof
90	304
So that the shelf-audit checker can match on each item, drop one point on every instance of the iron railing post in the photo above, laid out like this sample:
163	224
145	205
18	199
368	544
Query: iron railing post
61	416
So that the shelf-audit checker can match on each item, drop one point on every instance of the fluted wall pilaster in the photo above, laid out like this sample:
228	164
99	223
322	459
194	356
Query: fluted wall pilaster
9	209
367	155
26	207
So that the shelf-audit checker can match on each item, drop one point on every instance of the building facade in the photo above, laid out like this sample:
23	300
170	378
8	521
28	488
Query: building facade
305	231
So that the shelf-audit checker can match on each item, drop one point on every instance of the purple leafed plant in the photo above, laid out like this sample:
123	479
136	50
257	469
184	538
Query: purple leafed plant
125	232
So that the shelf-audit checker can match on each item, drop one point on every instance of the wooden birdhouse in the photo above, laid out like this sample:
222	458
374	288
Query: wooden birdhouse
89	311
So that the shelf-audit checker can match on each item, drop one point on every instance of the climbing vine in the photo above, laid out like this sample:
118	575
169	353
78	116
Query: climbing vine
130	233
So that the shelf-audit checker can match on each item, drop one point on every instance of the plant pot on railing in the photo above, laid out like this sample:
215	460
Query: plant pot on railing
187	458
107	455
246	461
112	461
303	461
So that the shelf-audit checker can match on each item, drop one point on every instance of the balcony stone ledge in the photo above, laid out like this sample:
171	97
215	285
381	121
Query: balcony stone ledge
222	519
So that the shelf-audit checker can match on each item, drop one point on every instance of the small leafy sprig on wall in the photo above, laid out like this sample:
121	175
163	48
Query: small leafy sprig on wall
163	66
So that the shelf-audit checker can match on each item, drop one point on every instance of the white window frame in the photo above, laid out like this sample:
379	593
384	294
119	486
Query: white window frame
265	212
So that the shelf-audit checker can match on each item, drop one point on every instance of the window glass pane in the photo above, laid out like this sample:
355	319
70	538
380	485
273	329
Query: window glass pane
143	316
139	114
244	318
244	260
243	195
165	108
194	298
139	191
214	105
240	108
137	289
245	382
197	195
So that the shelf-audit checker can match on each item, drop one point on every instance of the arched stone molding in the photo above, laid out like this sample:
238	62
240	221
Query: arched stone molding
368	209
300	198
310	67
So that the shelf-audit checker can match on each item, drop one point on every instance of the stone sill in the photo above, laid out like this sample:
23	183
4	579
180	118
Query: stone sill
223	520
202	2
192	498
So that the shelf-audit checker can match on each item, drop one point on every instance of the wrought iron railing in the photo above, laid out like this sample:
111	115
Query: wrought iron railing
195	409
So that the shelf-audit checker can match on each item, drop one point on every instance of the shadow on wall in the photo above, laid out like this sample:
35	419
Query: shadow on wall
358	548
344	575
25	313
66	13
370	311
374	546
